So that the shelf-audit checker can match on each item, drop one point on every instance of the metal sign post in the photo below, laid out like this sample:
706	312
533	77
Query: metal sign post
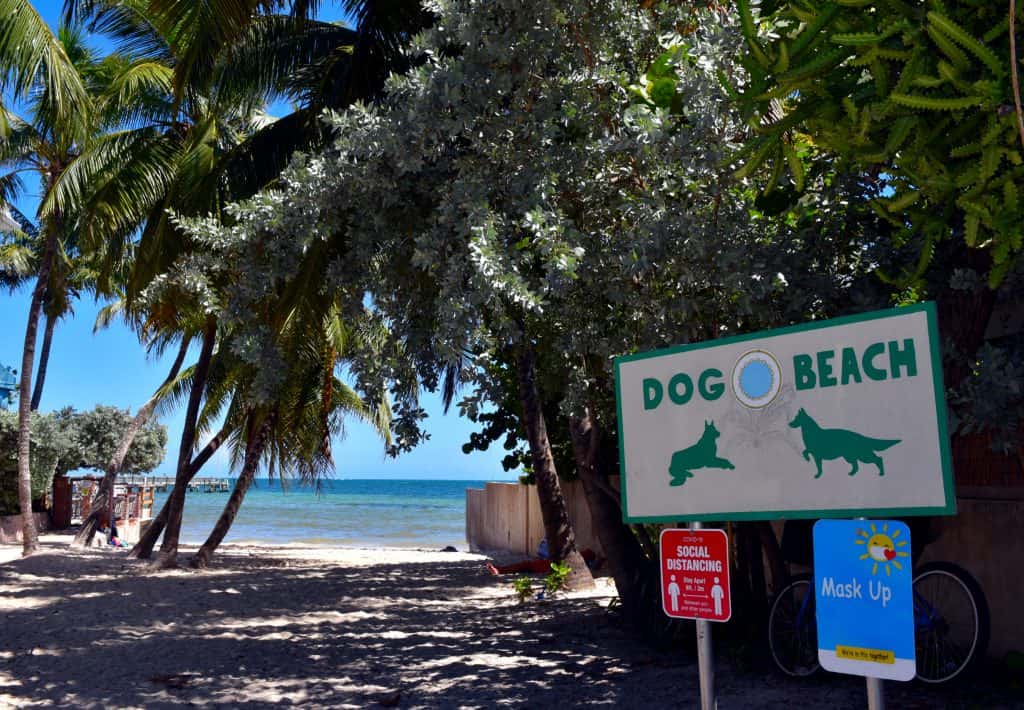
876	691
705	657
876	694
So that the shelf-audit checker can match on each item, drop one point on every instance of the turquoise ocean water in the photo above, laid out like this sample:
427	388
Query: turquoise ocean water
345	513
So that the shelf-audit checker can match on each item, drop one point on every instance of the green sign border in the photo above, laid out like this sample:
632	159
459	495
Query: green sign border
949	508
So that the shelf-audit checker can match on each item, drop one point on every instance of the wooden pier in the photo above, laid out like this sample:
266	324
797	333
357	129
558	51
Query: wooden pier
165	483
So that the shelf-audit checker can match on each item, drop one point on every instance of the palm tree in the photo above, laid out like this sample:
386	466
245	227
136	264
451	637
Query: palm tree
205	143
293	434
50	72
103	501
196	141
19	247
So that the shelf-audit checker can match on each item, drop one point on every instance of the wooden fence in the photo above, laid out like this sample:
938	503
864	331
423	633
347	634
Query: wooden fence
507	517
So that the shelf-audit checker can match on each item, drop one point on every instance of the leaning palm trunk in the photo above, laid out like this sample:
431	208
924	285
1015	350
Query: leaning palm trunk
30	536
144	547
253	453
176	501
103	503
557	527
44	361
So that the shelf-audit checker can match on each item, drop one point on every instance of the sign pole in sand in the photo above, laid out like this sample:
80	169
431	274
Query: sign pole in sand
876	691
705	657
695	585
876	694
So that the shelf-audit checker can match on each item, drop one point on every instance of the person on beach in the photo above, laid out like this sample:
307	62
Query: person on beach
541	565
113	538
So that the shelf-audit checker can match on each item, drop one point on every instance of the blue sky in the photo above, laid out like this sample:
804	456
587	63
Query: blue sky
110	367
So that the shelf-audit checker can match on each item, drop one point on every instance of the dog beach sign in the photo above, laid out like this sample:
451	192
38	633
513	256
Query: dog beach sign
834	418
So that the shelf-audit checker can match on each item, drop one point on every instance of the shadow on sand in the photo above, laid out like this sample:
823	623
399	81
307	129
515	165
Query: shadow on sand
94	629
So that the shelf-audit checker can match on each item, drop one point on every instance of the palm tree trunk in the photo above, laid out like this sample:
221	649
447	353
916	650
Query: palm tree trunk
103	502
143	549
30	536
626	559
253	453
557	527
44	361
168	556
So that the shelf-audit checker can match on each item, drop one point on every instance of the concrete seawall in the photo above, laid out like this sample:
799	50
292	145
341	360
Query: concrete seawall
507	517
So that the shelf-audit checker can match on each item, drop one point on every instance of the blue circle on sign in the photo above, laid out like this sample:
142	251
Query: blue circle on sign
756	379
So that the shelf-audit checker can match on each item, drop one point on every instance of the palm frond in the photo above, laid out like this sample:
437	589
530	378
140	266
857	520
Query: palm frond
17	264
18	141
125	22
197	32
265	59
113	186
138	94
32	57
108	314
174	393
255	162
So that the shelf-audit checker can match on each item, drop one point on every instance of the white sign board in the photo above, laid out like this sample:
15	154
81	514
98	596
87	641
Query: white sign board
837	418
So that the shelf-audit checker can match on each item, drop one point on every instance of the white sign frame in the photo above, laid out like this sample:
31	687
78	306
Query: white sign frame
648	498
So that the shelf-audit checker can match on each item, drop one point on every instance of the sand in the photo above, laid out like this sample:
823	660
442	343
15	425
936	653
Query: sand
271	626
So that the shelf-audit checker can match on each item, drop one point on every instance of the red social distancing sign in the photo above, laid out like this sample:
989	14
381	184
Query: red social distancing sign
695	574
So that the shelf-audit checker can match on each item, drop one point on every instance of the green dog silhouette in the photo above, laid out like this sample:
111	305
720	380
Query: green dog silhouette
828	444
703	454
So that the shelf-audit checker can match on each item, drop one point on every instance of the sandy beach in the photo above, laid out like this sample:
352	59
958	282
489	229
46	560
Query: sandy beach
346	628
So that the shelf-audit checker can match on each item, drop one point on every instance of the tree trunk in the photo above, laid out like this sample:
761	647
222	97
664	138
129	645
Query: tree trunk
253	453
625	557
557	528
773	554
143	549
751	556
103	502
168	556
30	536
44	360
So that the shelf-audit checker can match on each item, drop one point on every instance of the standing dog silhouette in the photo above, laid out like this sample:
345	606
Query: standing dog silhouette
827	444
703	454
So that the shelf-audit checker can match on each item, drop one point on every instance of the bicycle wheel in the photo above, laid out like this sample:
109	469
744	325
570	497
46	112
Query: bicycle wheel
793	628
951	621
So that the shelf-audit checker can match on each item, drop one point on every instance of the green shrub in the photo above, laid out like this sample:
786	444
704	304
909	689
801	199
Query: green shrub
524	588
556	580
67	440
49	444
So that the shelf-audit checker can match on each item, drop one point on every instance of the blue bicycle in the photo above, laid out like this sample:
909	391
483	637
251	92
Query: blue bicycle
951	624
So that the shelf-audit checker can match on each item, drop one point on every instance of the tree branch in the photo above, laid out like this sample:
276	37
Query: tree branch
1013	69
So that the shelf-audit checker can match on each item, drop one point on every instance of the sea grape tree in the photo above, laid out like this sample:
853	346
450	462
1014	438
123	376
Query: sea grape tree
529	194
